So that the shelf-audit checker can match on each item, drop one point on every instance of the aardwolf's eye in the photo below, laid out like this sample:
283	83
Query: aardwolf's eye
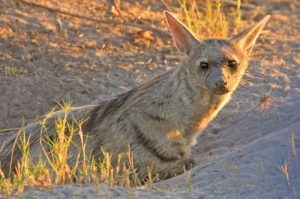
232	63
204	65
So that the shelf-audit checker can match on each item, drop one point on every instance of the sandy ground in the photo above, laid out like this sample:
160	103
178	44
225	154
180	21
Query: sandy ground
48	56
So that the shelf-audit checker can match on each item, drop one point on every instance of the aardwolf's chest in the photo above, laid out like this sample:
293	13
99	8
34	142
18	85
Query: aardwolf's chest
211	111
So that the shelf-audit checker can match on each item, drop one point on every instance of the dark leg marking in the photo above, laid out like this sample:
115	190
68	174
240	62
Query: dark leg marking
150	145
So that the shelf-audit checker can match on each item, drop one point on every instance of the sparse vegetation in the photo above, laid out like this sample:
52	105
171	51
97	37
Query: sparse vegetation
210	22
287	170
207	19
53	166
13	70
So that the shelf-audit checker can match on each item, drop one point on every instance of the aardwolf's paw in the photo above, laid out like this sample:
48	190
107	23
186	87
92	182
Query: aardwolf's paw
189	163
178	168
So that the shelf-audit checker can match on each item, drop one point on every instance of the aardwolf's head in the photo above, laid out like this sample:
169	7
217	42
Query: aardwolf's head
217	64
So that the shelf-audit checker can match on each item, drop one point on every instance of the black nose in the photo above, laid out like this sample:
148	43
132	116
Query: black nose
221	83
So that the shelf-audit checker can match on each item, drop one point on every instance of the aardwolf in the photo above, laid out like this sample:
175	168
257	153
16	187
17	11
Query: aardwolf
160	119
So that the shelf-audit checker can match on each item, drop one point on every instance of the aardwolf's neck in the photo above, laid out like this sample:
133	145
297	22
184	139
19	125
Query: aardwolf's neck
181	99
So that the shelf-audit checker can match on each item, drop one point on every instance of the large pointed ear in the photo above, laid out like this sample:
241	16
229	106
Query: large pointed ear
183	37
246	39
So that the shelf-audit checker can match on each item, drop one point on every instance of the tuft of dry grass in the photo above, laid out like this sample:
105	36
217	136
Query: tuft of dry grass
54	167
210	22
292	143
207	18
11	71
187	182
284	168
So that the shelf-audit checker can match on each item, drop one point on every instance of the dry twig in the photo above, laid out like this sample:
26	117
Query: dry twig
107	21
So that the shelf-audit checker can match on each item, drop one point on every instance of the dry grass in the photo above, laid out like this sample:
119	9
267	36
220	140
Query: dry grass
238	11
53	166
9	70
287	170
292	143
210	22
